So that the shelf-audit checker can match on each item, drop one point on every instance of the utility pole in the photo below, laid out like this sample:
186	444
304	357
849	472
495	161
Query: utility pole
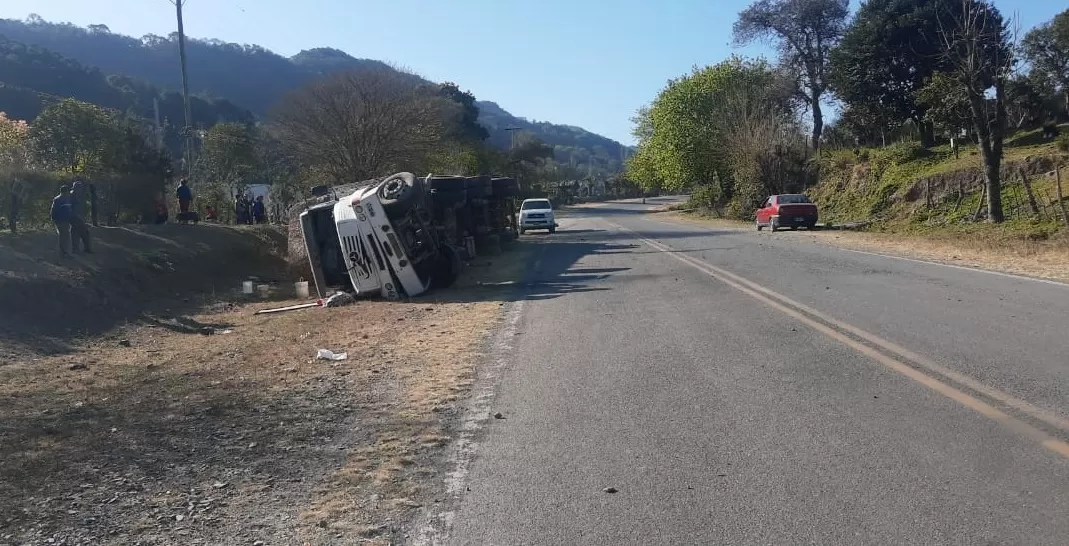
156	119
187	130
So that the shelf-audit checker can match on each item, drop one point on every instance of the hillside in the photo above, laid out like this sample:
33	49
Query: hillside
265	77
906	188
32	77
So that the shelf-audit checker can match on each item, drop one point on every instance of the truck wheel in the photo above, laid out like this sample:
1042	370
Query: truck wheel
400	191
448	270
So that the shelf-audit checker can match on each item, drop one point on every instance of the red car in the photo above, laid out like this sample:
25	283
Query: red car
791	210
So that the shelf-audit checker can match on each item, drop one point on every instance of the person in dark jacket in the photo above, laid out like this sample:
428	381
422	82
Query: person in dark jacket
259	211
185	196
79	227
61	217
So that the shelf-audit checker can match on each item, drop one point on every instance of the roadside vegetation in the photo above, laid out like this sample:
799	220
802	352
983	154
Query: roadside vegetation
950	125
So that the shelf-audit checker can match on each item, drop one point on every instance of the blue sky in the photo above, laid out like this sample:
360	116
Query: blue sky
579	62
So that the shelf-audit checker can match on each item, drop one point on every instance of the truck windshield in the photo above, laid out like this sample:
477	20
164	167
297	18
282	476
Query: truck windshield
541	204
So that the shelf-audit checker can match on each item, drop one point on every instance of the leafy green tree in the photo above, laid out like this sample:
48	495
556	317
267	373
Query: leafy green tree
804	31
888	52
14	137
700	122
229	155
946	103
1046	48
466	125
79	138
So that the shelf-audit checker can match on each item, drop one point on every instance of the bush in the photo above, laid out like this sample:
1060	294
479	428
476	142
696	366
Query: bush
706	197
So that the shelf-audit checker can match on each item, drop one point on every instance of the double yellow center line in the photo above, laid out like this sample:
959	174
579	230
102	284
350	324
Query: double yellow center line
890	355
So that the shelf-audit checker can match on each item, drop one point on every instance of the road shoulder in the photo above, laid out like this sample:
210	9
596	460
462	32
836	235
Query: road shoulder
1036	259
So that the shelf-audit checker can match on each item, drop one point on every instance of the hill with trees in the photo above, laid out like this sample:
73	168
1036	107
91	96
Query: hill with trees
266	78
947	118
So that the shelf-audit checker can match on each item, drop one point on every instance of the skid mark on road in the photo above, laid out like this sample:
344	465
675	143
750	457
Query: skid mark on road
838	330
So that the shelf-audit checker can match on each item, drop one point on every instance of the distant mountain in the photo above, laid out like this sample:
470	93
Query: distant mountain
256	78
32	77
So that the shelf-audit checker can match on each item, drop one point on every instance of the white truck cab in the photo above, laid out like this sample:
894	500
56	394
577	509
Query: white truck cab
380	240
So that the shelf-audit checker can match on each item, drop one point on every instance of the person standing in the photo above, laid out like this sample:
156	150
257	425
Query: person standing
259	211
185	196
79	227
61	217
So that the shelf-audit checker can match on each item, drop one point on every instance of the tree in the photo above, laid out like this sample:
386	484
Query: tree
888	52
804	32
229	155
977	51
946	103
466	127
14	136
362	124
79	138
713	130
1046	48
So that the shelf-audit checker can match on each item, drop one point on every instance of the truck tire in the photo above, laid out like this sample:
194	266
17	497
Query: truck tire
400	191
448	270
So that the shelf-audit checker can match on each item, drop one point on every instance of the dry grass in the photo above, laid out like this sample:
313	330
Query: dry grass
156	435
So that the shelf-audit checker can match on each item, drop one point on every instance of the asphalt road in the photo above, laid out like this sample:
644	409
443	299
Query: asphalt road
739	387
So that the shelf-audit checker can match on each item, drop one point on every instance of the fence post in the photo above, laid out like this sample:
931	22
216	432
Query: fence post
1061	198
1028	191
980	205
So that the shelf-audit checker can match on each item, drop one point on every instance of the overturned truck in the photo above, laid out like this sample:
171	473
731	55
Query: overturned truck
402	236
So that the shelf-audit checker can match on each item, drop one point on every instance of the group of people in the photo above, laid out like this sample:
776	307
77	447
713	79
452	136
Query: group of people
248	210
68	215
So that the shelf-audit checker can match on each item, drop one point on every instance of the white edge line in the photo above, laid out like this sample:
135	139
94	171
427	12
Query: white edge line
435	524
961	267
915	260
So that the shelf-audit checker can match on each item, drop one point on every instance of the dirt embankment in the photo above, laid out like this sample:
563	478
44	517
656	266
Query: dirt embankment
47	301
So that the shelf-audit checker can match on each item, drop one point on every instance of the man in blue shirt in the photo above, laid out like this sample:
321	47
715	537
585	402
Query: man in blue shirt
184	195
61	217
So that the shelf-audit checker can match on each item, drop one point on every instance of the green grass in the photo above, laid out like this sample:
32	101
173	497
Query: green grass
874	186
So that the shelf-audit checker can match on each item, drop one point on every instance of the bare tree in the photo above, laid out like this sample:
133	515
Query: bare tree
804	32
363	124
976	46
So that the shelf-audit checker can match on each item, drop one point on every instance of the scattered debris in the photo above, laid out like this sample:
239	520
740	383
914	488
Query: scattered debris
326	354
317	303
339	299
